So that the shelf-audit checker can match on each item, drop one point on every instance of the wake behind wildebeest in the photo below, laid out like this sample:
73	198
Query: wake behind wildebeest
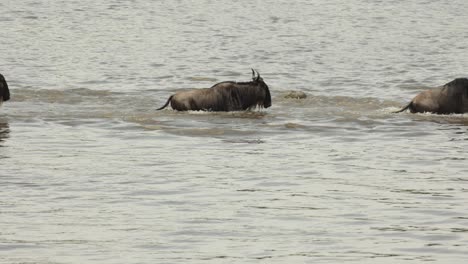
224	96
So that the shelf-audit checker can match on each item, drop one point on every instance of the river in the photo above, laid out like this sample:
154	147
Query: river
92	173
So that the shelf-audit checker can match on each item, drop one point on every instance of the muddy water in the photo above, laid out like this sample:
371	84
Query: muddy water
91	173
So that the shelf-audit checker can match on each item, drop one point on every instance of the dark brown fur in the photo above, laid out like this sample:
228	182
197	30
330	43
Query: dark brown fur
4	91
224	96
451	98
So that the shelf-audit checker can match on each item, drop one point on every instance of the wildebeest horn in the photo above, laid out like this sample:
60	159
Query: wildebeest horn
258	77
253	74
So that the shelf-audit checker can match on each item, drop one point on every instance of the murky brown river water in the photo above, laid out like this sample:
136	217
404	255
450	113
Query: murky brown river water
91	173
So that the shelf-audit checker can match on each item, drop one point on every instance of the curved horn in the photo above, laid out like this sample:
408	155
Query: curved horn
258	77
253	74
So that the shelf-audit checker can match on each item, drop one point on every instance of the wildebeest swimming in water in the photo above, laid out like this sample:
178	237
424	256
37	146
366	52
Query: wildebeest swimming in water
224	96
4	91
451	98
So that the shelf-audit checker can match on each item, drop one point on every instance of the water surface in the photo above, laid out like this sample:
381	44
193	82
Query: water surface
91	173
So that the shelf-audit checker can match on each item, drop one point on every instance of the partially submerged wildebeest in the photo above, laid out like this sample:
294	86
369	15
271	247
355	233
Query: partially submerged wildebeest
4	91
447	99
223	96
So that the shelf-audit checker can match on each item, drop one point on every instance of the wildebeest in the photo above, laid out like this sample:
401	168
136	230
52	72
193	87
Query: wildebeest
223	96
4	91
447	99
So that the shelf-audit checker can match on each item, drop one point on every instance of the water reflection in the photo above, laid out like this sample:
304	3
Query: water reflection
4	131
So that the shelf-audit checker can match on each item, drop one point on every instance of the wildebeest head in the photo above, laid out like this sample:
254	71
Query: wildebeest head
263	86
4	91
